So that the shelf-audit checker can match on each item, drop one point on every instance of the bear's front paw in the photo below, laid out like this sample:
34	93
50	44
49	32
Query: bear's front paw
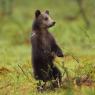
59	54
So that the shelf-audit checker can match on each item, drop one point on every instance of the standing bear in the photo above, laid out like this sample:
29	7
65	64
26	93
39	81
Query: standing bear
44	48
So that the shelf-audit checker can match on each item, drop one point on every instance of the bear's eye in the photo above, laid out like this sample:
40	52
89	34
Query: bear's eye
46	18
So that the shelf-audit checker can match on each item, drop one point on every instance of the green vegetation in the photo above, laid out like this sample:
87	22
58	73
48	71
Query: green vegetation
76	40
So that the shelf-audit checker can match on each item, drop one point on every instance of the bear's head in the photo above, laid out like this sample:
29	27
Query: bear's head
43	20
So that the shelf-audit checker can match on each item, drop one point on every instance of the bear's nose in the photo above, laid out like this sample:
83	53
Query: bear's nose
53	22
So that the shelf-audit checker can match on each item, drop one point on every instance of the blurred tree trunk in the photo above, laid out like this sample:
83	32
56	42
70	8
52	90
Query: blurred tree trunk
82	12
6	7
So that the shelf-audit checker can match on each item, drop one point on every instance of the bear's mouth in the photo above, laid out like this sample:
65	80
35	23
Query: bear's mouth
52	24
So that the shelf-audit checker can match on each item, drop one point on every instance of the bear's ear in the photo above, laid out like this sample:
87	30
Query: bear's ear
47	12
37	13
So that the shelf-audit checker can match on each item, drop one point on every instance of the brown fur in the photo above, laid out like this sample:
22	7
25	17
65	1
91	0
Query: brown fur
44	48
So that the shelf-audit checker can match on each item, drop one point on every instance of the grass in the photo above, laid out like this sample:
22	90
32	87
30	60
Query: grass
77	43
14	82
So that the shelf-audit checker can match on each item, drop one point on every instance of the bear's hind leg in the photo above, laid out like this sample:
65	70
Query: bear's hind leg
57	76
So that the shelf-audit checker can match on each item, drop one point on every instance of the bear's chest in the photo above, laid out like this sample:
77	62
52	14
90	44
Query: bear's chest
46	40
42	41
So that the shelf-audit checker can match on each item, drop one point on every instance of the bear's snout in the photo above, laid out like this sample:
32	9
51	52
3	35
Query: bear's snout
53	23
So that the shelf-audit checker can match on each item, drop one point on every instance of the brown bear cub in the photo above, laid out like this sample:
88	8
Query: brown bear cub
44	48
